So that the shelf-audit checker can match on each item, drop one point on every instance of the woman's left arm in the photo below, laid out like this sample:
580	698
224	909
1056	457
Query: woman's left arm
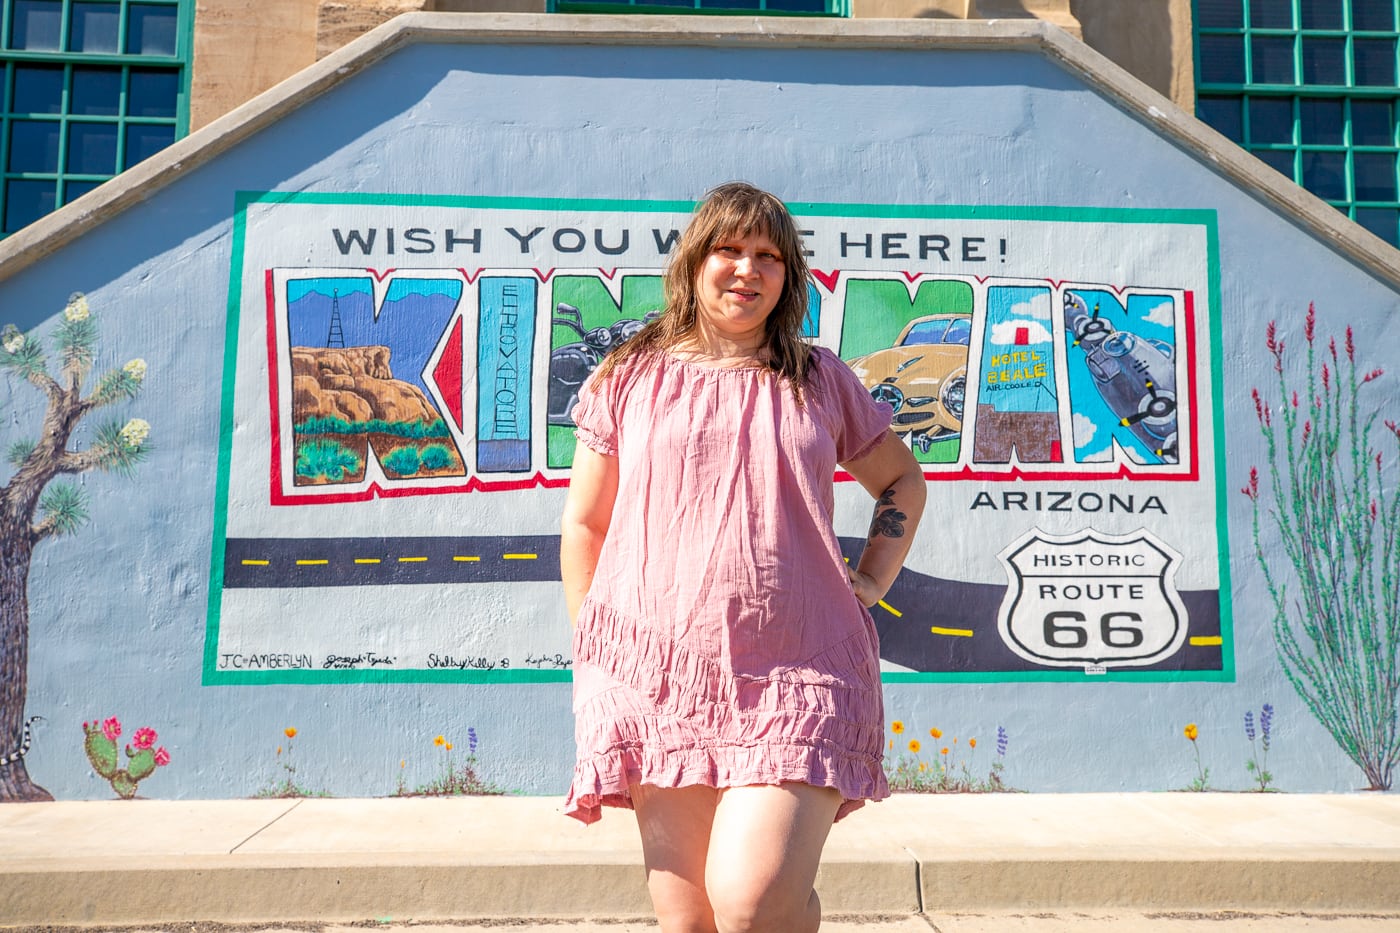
892	475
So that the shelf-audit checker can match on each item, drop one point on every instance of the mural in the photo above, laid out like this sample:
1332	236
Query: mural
62	508
1055	403
1332	560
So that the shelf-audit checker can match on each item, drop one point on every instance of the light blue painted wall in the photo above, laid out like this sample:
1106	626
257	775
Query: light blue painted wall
117	613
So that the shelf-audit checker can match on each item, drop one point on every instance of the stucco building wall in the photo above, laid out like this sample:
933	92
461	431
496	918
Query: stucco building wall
243	47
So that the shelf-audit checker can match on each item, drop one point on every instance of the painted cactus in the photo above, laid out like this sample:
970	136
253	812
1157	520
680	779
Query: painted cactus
100	743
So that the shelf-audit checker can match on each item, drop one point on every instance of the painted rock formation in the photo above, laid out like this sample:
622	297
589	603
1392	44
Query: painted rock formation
354	384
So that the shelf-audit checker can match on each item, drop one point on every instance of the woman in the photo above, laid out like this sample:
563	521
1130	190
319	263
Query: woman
726	678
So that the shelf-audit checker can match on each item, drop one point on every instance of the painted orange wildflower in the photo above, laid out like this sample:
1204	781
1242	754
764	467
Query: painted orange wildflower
897	726
449	746
290	732
945	749
936	733
439	741
1190	731
971	743
914	746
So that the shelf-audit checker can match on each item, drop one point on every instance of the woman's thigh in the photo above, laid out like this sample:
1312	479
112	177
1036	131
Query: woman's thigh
765	846
675	827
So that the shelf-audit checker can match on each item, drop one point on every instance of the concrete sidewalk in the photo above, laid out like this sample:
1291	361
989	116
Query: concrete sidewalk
265	861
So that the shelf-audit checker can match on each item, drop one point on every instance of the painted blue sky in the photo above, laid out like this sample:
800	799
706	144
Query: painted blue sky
1095	424
410	322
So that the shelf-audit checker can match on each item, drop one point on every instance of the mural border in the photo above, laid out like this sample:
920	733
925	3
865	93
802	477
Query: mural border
1207	219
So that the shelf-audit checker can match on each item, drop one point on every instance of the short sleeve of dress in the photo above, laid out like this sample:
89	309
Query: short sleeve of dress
595	417
858	421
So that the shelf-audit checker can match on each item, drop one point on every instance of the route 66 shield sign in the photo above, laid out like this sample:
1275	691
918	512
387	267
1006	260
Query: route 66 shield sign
1092	600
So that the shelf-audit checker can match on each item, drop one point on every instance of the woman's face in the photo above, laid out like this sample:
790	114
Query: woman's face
739	284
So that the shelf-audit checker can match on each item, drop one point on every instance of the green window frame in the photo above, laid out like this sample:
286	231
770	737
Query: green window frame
1311	87
840	8
91	87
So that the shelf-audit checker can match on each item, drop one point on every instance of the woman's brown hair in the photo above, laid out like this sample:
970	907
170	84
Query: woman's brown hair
732	209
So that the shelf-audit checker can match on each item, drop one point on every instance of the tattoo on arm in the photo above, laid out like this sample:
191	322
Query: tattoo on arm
888	521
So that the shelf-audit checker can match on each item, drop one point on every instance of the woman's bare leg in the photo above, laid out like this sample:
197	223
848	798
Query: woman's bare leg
765	845
675	826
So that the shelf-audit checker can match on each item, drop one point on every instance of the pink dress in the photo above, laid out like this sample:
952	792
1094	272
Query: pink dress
720	642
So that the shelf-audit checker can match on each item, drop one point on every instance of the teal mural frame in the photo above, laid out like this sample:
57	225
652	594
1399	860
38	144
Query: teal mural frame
1206	220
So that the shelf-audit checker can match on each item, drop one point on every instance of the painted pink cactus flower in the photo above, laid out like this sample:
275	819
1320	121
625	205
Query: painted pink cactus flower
112	728
144	738
162	757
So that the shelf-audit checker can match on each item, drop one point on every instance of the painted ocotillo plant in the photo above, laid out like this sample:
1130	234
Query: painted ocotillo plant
1336	599
61	507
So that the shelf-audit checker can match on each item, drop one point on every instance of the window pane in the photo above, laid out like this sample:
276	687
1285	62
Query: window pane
1373	14
142	142
1325	61
1222	59
1381	221
150	29
798	6
92	148
1372	123
1325	174
96	91
1270	120
1279	160
38	89
1223	113
1273	60
1220	14
33	146
1271	14
154	92
94	27
76	189
36	25
1375	176
1321	120
1322	14
1375	62
26	202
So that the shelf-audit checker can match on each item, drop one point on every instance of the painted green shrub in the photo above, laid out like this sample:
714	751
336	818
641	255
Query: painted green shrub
317	459
436	457
403	460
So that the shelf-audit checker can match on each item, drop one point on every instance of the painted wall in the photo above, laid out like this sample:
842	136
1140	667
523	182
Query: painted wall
290	556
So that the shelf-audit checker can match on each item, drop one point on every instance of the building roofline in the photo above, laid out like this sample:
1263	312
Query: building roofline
135	185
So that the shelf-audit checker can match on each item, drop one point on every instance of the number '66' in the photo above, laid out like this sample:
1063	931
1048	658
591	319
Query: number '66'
1115	629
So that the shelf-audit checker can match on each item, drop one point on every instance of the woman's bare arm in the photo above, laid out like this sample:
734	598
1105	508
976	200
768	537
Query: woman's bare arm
587	515
892	475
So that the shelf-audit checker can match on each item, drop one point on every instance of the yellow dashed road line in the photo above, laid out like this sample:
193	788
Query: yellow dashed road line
412	560
255	563
311	563
366	560
520	556
890	609
1205	641
957	632
463	557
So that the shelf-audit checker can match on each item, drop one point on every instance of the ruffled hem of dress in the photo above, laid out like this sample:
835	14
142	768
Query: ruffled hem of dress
604	779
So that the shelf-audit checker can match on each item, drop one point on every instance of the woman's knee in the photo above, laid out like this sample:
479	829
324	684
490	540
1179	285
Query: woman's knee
741	906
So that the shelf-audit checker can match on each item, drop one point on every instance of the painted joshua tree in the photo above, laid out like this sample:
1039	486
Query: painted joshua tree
1336	599
61	507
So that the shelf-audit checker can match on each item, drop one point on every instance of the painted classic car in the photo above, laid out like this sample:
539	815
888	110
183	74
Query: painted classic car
923	377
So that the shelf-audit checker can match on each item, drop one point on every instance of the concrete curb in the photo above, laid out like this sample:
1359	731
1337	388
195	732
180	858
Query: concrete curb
343	860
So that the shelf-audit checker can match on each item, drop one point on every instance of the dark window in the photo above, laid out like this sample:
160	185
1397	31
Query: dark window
1223	113
1322	14
1375	176
1325	174
91	88
1271	14
1322	121
1378	15
1271	120
1273	59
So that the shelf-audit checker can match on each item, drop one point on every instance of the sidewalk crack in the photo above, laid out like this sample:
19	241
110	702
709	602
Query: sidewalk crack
918	879
264	826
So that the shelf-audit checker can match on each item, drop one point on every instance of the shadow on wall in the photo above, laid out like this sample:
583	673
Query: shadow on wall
1137	36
